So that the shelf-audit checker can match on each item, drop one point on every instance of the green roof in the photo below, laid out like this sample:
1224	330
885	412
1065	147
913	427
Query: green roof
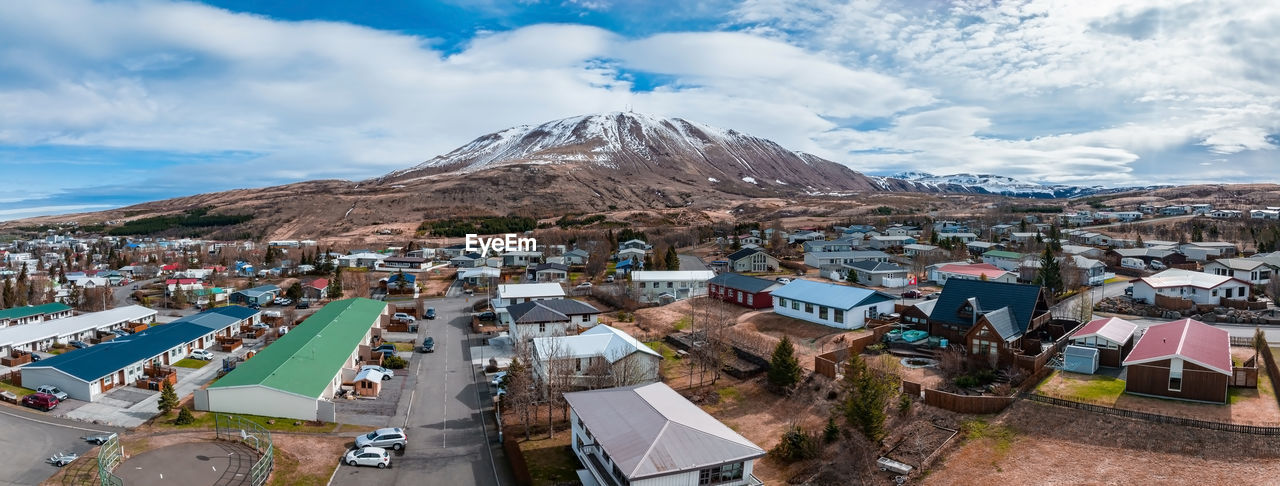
306	359
21	312
1003	254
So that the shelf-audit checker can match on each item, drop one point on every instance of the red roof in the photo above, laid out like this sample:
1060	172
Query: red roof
182	281
171	267
1188	339
216	268
973	269
318	283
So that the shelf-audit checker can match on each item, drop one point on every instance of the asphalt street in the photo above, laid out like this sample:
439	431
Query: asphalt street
31	437
447	434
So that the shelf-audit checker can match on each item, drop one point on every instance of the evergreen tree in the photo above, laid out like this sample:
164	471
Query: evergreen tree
784	368
1196	233
8	294
869	391
736	245
168	399
335	284
1137	241
1050	275
673	260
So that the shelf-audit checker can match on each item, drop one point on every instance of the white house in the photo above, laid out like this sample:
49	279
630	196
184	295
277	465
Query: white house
1253	270
361	260
649	435
837	258
1201	288
41	336
509	294
550	317
602	356
942	272
650	286
838	306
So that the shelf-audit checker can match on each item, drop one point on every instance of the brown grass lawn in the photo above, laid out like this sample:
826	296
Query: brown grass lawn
550	460
810	339
1056	445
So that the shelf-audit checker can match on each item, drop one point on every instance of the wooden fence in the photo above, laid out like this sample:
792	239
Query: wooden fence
519	468
911	388
1173	303
1243	304
1273	371
972	404
828	364
1155	418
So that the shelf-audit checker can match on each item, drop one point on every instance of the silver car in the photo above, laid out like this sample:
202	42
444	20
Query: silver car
367	456
53	390
388	438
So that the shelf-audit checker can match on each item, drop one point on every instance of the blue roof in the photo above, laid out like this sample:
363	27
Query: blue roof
408	277
95	362
259	290
237	311
830	295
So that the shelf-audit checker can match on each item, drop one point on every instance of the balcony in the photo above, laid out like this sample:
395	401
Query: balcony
600	471
753	481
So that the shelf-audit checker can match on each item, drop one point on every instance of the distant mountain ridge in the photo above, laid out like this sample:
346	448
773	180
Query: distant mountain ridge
1001	185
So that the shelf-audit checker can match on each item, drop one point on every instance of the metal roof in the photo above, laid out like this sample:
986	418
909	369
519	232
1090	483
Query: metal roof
305	360
650	430
1177	277
874	266
550	310
1002	320
830	295
1248	264
990	295
672	275
33	310
611	343
1187	339
259	290
18	335
744	283
1013	255
529	290
1113	329
98	361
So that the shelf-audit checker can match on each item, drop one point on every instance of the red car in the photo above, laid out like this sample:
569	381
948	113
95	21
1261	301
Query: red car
42	401
911	294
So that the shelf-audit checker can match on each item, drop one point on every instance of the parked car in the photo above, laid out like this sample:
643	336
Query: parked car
911	294
498	378
403	317
783	280
1128	291
584	286
368	456
387	438
302	304
431	313
385	348
42	401
98	439
386	373
35	357
608	278
428	345
202	354
78	344
261	325
1158	265
487	316
53	390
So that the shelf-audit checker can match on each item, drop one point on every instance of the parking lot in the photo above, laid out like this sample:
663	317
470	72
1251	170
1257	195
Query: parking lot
381	411
31	437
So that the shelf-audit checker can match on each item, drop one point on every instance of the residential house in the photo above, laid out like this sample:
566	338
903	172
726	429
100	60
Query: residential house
34	313
902	230
888	242
468	260
636	254
820	246
1204	250
550	317
1023	238
260	295
749	239
173	285
1264	214
839	306
1186	360
401	281
1166	257
961	236
1200	288
1256	271
1089	271
835	259
86	374
876	274
649	435
1084	251
945	272
1111	336
510	294
521	258
919	249
634	245
600	357
750	292
549	272
917	315
655	286
991	319
316	289
805	235
752	260
361	260
297	375
1226	214
1005	260
478	275
83	327
454	250
1175	210
405	263
576	256
977	248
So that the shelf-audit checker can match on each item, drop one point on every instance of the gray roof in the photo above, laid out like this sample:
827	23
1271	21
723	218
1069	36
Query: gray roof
650	430
830	295
551	266
552	310
875	266
1002	320
744	283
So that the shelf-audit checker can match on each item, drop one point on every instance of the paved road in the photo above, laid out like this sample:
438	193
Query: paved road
121	294
29	438
447	442
690	262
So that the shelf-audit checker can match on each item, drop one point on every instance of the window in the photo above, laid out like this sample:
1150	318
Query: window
671	285
822	312
739	297
795	305
642	285
808	308
1175	375
542	327
750	298
838	315
720	474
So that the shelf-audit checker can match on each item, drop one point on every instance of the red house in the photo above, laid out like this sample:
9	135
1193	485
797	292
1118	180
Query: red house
745	291
1186	359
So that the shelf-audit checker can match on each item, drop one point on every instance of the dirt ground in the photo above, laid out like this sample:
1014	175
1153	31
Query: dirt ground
1056	445
660	321
810	339
438	281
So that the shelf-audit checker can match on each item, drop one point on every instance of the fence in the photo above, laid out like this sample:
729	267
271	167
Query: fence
110	455
519	468
1173	303
1155	418
972	404
911	388
1243	304
231	427
1273	371
828	364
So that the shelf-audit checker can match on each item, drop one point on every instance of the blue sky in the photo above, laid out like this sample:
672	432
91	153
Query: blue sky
105	104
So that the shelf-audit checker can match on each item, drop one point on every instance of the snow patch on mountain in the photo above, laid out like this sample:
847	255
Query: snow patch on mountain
996	184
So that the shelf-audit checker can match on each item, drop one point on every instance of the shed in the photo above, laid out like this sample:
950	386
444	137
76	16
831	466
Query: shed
1080	359
368	383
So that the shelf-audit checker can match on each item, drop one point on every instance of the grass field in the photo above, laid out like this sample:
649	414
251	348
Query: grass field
204	420
191	363
550	460
16	390
1098	389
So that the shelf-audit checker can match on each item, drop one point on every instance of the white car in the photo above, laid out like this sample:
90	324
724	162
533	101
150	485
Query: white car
367	456
386	373
584	286
202	354
52	390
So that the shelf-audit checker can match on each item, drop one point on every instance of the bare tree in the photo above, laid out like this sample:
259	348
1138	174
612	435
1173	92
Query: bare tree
355	284
1071	276
519	397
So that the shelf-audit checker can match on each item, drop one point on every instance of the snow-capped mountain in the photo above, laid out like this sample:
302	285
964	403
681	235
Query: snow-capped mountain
640	147
995	184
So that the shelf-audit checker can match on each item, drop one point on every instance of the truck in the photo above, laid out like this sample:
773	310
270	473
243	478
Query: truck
1134	263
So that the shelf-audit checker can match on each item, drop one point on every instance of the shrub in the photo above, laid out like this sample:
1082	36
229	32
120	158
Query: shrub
966	381
796	444
184	417
784	368
832	431
394	362
904	403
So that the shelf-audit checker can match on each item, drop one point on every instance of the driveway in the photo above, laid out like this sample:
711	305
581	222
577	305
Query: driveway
443	414
31	437
691	262
132	406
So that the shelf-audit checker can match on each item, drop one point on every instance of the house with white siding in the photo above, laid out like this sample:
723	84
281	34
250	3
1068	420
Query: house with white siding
599	357
1198	287
657	285
839	306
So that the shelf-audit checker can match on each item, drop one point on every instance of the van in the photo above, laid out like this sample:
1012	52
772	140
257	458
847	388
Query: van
1134	263
1158	265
